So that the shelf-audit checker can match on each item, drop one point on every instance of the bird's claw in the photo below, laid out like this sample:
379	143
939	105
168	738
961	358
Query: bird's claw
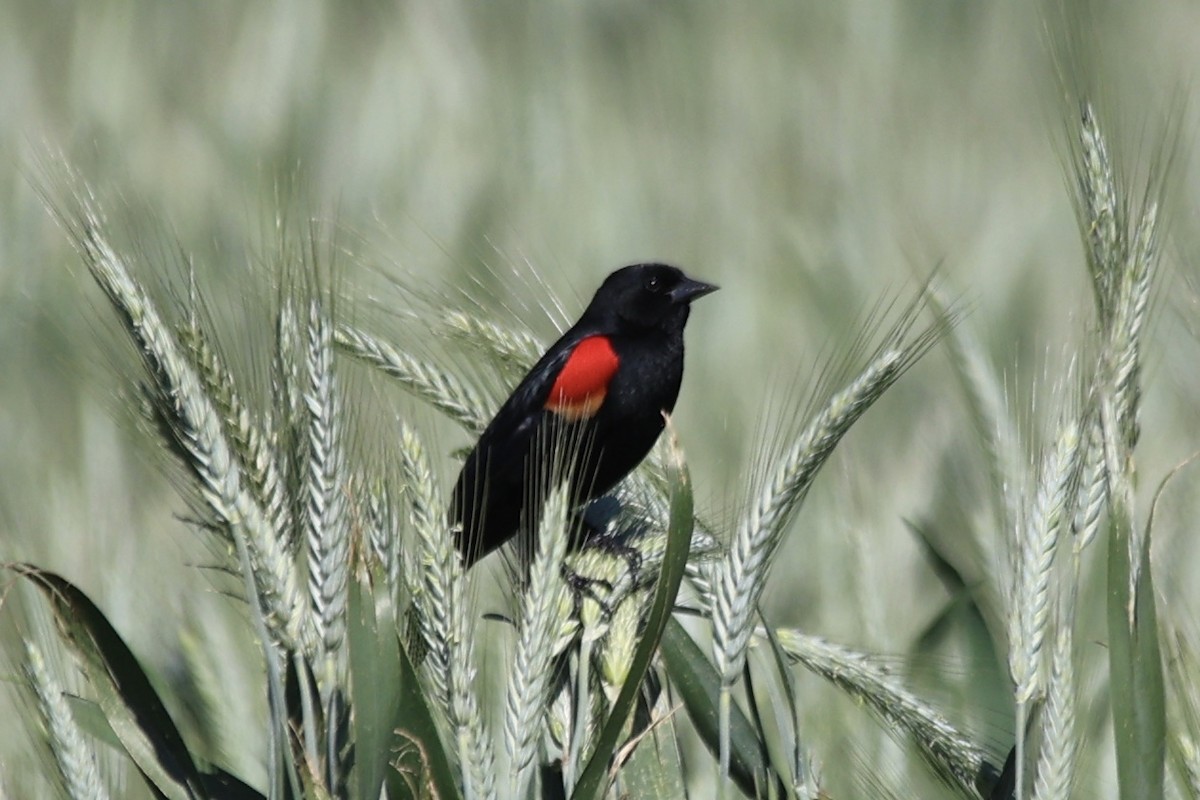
616	546
585	588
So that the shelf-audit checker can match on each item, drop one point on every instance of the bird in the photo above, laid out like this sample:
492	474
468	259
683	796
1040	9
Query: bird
601	392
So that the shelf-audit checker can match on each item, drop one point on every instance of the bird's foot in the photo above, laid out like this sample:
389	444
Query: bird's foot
610	568
584	588
616	546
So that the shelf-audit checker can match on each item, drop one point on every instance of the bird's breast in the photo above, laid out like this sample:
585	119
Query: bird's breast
647	384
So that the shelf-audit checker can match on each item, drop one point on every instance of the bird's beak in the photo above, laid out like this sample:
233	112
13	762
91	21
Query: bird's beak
688	290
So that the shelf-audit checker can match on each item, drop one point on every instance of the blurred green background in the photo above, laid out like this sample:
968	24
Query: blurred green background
809	157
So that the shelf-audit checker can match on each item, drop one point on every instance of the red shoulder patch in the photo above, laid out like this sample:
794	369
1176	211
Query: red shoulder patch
579	390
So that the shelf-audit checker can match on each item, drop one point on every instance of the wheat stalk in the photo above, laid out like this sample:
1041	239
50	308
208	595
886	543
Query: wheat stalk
384	537
73	757
1096	189
543	614
1037	543
432	384
196	427
438	589
288	361
986	401
740	578
951	754
1093	481
1056	761
1122	255
327	532
255	453
516	350
1128	348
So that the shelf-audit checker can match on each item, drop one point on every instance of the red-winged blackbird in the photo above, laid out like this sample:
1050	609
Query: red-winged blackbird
600	391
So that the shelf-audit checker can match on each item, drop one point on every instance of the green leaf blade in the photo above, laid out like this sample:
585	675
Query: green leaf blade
1135	664
129	701
698	685
595	777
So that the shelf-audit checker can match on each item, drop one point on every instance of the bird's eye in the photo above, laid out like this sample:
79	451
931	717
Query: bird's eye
653	283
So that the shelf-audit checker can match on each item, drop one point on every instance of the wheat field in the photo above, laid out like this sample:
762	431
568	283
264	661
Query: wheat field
266	269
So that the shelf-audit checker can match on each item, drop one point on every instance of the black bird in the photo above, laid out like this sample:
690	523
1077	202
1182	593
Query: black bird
595	399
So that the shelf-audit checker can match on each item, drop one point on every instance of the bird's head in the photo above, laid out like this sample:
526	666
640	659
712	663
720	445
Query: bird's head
648	296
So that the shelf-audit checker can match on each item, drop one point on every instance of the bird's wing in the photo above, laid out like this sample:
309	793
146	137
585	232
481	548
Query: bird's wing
569	383
515	422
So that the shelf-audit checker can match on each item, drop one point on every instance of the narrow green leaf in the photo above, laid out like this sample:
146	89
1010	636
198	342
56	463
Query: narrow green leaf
375	683
132	707
787	680
222	785
755	714
91	720
698	685
390	713
304	714
594	779
1138	702
419	762
655	769
313	787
